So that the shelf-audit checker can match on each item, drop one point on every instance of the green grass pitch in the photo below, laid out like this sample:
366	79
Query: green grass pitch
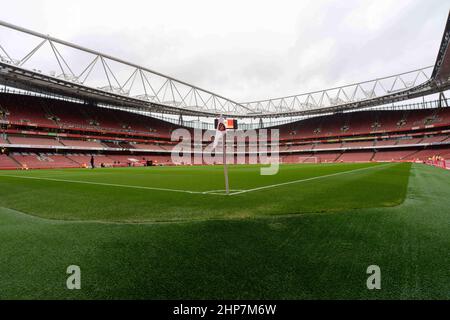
308	232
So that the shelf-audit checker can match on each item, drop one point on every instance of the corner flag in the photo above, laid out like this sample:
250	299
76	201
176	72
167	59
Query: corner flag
220	133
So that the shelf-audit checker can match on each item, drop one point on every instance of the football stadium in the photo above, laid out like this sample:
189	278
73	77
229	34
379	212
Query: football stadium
95	182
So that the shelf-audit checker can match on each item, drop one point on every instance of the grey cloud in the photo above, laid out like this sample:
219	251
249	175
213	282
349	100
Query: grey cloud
322	50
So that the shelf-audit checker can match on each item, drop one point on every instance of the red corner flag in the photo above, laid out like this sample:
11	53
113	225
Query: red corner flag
220	132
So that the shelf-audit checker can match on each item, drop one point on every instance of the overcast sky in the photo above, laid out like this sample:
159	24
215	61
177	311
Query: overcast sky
250	50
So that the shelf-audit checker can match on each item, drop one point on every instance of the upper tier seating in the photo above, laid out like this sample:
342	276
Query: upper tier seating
25	109
363	122
56	113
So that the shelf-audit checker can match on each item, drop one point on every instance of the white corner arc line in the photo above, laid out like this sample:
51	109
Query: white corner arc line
220	190
307	179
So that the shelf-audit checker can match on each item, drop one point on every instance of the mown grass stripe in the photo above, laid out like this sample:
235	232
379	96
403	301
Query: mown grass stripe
307	179
104	184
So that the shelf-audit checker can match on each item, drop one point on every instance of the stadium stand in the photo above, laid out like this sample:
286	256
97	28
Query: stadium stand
34	141
84	160
383	143
25	110
160	159
302	147
359	144
43	161
357	157
445	153
328	146
149	147
290	159
328	156
48	133
82	143
434	139
423	155
393	155
409	141
364	122
7	162
50	113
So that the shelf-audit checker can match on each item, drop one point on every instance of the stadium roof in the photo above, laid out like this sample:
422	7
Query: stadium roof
164	94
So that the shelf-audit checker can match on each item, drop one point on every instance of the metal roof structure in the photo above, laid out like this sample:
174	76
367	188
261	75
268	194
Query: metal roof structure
128	85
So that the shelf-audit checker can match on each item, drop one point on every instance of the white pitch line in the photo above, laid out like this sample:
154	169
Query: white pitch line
211	192
304	180
217	191
104	184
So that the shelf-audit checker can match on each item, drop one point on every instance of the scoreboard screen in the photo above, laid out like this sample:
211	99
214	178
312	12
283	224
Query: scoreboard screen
230	124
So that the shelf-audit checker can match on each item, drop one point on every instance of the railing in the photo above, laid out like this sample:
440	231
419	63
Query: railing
127	84
116	76
267	122
244	124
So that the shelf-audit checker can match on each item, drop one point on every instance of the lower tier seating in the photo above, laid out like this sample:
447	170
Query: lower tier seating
30	160
356	157
82	144
42	161
393	155
7	162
